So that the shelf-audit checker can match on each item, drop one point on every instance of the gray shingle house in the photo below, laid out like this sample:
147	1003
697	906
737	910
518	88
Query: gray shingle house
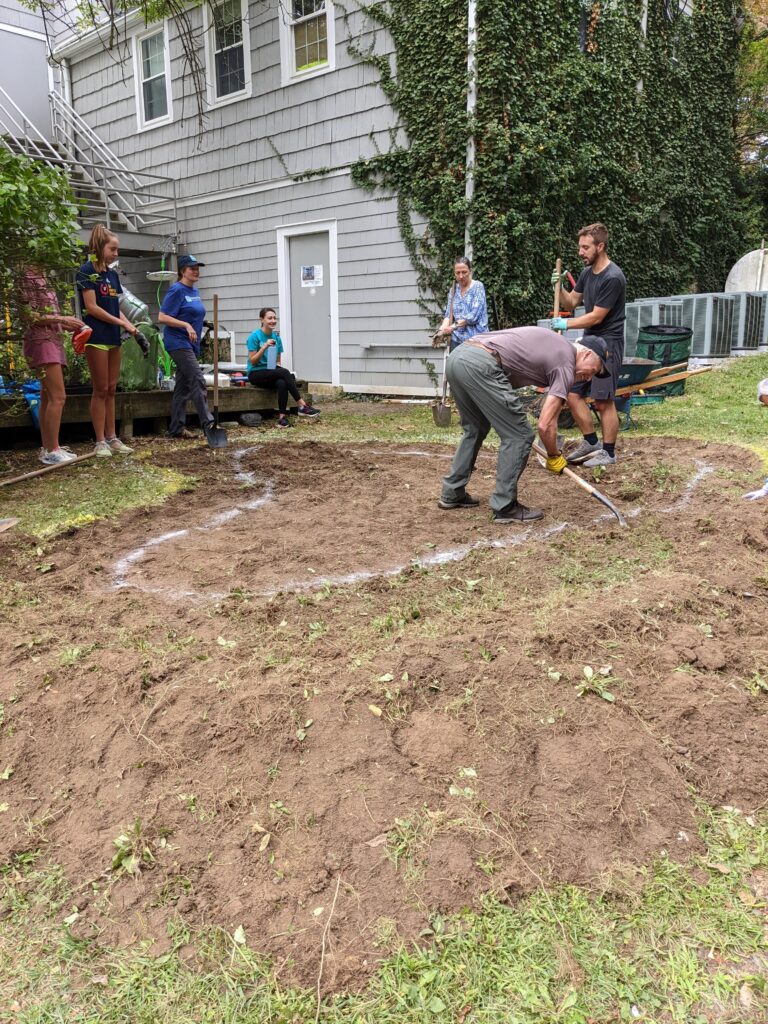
260	190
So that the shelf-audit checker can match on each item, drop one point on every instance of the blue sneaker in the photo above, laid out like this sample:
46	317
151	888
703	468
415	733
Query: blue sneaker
308	413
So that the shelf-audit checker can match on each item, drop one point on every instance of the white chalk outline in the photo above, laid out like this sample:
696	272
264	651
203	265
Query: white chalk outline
123	566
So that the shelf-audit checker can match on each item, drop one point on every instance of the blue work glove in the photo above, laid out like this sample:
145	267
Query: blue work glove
558	323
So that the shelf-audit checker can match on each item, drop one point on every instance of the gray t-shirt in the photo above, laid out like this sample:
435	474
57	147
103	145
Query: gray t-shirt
607	289
534	356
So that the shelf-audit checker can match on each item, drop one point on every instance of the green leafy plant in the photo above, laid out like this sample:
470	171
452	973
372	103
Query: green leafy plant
596	682
133	852
38	227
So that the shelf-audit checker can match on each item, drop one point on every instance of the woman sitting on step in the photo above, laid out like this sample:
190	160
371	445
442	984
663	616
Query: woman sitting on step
265	348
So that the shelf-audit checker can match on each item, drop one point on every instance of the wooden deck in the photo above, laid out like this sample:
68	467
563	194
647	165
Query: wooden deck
147	405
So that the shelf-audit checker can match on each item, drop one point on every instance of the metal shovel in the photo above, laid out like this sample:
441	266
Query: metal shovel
441	411
215	435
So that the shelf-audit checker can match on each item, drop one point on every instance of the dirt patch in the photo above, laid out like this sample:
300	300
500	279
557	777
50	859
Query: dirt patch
303	693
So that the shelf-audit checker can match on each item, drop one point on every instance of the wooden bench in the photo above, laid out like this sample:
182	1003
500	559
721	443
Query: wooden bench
147	405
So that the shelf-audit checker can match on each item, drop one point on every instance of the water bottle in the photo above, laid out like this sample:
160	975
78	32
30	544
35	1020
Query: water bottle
272	357
160	376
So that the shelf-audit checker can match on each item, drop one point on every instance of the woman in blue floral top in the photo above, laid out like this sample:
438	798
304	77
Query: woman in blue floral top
470	313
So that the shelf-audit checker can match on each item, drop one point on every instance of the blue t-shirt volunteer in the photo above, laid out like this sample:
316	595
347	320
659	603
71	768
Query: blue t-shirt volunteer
183	303
254	343
106	285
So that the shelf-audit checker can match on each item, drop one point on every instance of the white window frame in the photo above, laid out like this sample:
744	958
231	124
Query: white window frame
288	72
210	58
143	124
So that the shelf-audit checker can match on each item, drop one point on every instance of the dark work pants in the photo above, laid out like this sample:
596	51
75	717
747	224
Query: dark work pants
281	380
485	399
189	387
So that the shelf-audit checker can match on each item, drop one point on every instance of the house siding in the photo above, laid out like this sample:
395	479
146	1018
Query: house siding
23	66
13	15
258	145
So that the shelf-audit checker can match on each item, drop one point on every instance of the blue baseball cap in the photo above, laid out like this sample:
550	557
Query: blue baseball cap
188	261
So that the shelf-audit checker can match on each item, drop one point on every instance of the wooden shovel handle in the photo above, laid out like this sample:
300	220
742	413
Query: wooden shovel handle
558	271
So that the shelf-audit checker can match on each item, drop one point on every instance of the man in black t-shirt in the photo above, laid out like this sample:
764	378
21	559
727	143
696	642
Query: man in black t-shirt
601	287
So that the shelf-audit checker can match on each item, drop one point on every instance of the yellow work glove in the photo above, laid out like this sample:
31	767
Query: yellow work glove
556	463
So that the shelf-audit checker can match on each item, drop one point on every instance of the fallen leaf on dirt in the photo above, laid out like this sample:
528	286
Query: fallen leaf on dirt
746	997
99	979
375	710
722	868
256	827
239	936
6	774
318	911
4	808
386	678
264	842
747	898
378	840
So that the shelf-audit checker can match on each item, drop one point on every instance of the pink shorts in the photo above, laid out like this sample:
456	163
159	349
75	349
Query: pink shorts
38	353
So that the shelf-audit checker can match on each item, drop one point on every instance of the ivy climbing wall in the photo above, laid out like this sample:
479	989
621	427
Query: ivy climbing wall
612	110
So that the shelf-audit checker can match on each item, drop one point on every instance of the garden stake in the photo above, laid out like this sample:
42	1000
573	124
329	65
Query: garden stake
585	485
216	435
45	469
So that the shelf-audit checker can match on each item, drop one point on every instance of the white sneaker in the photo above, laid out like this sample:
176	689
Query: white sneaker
102	450
116	445
55	458
583	452
600	458
66	452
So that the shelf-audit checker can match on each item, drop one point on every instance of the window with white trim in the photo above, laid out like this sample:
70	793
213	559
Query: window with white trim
230	58
153	99
307	38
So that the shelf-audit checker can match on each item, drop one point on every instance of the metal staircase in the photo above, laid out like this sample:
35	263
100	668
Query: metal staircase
139	206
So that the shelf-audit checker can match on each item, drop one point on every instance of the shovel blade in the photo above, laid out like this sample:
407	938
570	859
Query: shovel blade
441	414
216	437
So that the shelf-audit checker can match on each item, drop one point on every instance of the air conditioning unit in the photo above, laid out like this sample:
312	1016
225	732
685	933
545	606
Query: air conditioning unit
713	318
750	325
638	314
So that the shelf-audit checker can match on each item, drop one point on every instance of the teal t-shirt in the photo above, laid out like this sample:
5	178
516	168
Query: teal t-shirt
254	343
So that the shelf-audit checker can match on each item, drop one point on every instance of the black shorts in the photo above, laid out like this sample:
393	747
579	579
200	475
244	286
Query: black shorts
603	389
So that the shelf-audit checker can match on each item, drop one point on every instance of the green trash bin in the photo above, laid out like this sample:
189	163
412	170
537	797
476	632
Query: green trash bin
136	372
669	345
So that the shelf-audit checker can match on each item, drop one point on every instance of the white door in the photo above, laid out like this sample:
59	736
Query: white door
308	298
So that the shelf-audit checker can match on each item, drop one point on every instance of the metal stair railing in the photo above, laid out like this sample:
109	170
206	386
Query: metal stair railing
19	135
106	190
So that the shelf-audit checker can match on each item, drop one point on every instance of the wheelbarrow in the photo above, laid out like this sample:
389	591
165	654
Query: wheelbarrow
634	371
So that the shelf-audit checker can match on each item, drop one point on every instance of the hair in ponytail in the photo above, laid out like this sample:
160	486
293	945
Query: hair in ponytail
98	240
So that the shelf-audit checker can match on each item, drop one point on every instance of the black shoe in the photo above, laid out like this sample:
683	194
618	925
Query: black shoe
517	513
466	501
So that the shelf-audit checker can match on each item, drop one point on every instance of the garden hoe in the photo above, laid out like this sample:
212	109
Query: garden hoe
542	456
216	436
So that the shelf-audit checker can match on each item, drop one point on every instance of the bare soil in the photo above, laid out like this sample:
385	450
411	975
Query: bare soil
319	702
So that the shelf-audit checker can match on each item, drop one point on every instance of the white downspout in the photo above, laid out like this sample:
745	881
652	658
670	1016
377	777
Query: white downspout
469	173
644	30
